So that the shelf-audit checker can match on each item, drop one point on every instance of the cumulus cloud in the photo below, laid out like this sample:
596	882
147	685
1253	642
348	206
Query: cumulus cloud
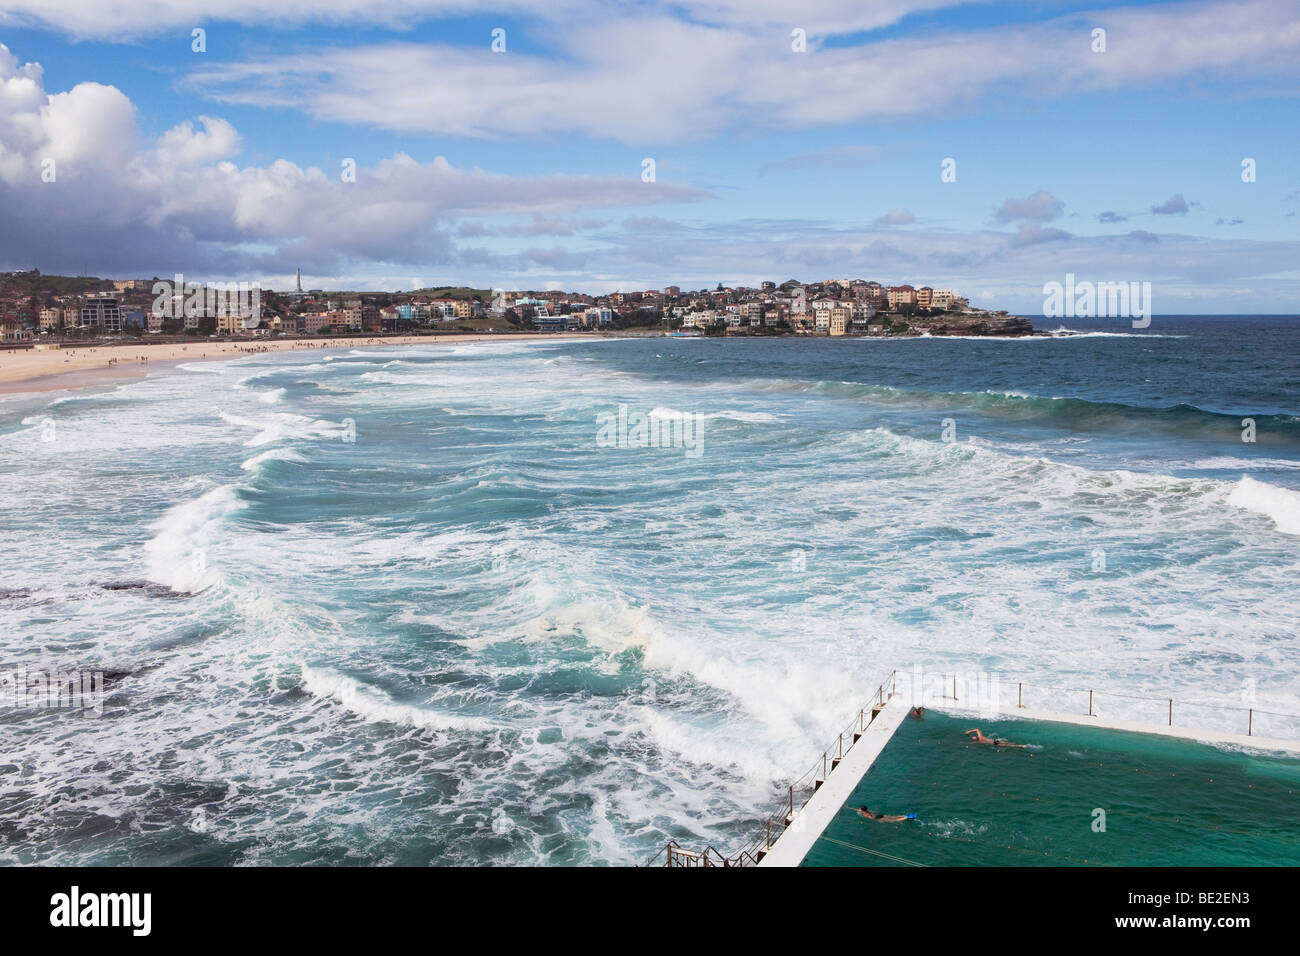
181	202
896	217
1031	233
1042	206
1109	216
537	226
182	145
1175	205
650	224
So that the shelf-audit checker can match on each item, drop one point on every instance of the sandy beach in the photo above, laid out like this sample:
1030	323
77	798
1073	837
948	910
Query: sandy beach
31	370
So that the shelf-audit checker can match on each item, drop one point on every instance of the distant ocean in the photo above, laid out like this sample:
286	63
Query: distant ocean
403	606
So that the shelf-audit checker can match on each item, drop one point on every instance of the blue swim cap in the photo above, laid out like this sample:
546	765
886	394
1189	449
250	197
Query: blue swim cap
909	816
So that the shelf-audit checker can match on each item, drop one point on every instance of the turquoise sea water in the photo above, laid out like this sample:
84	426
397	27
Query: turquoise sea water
477	634
1163	801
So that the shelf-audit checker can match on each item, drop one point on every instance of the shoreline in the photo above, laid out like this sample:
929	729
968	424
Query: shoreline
31	371
83	366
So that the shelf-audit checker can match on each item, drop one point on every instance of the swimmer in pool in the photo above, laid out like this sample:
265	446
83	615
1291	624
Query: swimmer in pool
885	817
979	738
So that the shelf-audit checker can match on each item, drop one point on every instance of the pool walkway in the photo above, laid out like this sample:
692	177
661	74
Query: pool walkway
809	822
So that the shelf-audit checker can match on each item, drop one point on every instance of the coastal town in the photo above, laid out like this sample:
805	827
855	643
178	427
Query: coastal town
38	308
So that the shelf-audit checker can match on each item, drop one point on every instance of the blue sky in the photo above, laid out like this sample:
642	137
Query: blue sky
523	169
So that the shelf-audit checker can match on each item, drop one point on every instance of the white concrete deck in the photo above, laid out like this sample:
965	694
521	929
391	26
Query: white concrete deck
794	843
1140	727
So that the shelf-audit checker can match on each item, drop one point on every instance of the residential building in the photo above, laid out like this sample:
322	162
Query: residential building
550	323
900	295
12	329
314	322
102	312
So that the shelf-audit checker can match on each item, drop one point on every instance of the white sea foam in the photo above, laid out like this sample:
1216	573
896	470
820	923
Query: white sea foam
611	625
1230	463
255	463
177	554
369	703
668	414
752	418
1063	332
283	425
1282	505
207	368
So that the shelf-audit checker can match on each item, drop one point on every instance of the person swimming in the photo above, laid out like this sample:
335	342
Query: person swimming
884	817
979	738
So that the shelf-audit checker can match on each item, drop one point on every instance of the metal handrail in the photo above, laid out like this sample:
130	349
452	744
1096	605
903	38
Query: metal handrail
1092	693
811	780
777	822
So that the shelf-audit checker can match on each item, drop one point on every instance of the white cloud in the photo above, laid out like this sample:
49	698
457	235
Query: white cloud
183	146
896	217
123	19
657	76
1175	205
181	202
1031	233
1042	206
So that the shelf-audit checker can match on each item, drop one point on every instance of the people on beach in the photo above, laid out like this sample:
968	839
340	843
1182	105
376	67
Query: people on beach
884	817
89	356
979	738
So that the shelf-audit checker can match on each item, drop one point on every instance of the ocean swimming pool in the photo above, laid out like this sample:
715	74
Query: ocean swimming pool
1166	801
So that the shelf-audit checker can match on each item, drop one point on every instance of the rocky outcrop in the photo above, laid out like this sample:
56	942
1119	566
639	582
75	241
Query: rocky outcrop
966	323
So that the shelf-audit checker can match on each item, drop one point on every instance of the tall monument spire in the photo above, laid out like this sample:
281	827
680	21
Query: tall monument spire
299	289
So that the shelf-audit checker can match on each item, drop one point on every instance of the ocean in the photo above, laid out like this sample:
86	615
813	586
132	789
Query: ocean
424	606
